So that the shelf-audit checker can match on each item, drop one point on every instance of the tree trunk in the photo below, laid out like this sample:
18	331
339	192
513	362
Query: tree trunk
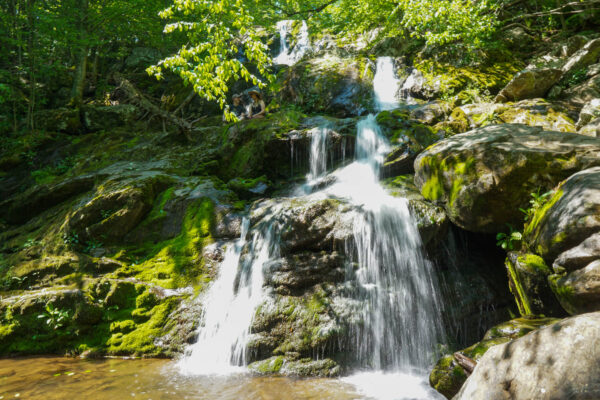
31	54
82	58
79	79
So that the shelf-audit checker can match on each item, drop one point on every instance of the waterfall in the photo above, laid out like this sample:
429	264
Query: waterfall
401	319
229	305
318	153
385	84
286	55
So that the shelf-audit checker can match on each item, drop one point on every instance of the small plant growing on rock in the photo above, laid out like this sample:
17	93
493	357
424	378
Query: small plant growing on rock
507	240
72	238
55	318
537	201
91	245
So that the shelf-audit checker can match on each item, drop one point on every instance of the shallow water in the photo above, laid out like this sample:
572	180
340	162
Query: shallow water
53	378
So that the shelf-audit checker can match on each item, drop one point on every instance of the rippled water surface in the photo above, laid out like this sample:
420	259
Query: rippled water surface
63	378
53	378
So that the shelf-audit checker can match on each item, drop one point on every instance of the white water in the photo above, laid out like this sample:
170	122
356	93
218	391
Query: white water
401	317
229	306
291	56
385	84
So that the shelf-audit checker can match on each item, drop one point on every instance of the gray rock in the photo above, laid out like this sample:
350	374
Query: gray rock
565	232
580	255
560	361
38	199
589	112
593	70
532	112
571	216
592	129
583	93
579	291
585	56
529	84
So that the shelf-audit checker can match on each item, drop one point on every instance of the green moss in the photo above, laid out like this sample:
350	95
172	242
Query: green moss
531	229
534	263
122	326
517	289
452	79
269	366
177	262
447	377
142	339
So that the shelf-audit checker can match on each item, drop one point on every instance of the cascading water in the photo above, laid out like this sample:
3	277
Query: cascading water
401	318
385	84
286	55
229	306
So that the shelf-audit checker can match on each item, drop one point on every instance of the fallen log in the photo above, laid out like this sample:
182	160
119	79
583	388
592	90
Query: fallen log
137	98
468	364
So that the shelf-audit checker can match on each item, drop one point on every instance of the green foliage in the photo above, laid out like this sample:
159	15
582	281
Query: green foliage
55	318
537	201
219	31
508	240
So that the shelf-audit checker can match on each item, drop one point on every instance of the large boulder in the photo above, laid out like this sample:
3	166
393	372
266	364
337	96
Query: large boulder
565	232
448	375
529	84
484	176
559	361
587	55
583	93
38	199
589	112
533	112
569	217
329	84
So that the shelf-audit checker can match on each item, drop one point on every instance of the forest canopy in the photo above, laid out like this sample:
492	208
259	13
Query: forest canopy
48	45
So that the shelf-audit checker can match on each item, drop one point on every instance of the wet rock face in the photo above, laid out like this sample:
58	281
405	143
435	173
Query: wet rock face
308	310
484	176
565	232
559	361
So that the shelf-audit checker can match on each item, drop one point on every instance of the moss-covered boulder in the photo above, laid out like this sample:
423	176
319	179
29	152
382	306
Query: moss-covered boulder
274	146
559	361
564	232
431	79
339	86
529	84
484	176
448	376
34	201
403	128
528	281
534	112
103	317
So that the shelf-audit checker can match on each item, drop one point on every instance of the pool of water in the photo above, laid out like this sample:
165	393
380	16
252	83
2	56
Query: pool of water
52	378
